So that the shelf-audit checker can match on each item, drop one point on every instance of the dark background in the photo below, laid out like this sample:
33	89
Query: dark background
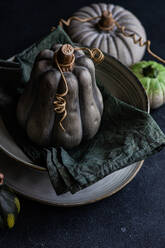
132	218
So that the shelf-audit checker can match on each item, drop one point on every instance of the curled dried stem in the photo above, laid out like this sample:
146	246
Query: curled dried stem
112	24
95	54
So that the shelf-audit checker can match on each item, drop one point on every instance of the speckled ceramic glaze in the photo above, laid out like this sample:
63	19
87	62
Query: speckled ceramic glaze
23	176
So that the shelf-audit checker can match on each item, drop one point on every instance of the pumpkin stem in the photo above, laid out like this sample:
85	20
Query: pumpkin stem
150	71
106	22
65	57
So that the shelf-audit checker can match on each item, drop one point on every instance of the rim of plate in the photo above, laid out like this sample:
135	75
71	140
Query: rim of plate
136	170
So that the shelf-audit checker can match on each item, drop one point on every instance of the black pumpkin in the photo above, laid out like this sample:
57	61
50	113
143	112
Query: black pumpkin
9	207
84	104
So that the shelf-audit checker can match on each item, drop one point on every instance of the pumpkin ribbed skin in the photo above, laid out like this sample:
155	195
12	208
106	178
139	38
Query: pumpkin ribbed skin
111	42
154	85
84	104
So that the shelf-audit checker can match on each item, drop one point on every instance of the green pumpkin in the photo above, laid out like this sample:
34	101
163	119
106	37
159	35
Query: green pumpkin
152	76
9	207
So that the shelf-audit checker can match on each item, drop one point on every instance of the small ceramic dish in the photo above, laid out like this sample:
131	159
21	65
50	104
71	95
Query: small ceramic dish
32	180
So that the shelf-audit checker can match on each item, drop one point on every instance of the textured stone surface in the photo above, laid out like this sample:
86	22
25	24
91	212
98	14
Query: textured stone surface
132	218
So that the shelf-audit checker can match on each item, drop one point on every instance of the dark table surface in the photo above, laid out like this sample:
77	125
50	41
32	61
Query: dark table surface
132	218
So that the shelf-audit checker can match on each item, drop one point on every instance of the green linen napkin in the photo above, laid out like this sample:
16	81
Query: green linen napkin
116	145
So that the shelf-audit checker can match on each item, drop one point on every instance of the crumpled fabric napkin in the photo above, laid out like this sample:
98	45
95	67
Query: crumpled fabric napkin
116	145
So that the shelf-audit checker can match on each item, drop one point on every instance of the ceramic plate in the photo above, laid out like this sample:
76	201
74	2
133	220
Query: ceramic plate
33	181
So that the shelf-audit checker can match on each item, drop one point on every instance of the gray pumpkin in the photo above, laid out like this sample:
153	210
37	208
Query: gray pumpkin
112	41
84	104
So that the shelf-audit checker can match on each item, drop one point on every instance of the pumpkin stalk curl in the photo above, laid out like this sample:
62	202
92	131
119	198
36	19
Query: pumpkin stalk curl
64	58
107	23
